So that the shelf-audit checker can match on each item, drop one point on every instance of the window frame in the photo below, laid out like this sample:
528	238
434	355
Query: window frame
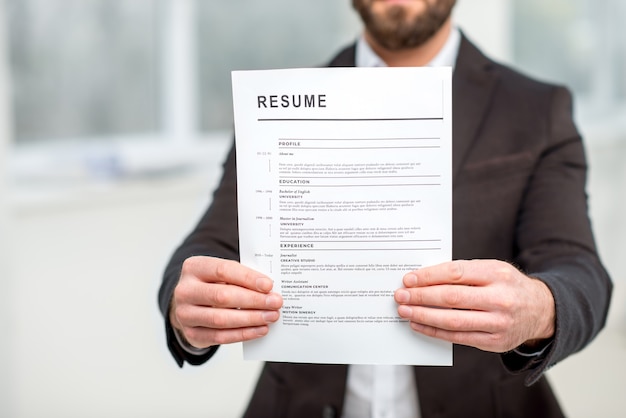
178	142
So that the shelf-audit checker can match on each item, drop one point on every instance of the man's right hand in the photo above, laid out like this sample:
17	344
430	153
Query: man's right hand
219	301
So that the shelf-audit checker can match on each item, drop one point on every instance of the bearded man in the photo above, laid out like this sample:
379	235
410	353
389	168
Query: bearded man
526	287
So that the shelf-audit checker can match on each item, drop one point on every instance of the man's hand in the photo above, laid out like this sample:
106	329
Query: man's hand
219	301
485	304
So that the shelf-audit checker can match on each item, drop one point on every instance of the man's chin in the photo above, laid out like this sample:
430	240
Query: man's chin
396	14
397	25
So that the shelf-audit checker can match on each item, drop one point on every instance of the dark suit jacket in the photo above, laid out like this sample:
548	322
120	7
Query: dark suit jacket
518	195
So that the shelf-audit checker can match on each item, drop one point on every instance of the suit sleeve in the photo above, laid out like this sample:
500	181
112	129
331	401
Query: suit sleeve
216	234
556	243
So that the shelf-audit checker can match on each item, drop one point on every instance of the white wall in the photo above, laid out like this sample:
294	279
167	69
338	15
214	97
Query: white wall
90	338
488	23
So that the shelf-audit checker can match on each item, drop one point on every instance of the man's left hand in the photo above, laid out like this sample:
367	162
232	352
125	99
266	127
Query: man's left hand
487	304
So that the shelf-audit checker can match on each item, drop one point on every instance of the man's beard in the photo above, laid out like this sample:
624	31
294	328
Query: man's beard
395	32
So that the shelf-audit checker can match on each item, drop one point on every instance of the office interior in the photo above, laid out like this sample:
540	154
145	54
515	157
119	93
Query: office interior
115	117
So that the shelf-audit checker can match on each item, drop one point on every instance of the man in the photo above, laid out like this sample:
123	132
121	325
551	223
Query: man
526	288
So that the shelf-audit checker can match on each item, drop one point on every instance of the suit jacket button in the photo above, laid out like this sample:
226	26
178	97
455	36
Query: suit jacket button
329	412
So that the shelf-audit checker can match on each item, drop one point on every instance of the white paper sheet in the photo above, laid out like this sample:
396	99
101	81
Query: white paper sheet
344	185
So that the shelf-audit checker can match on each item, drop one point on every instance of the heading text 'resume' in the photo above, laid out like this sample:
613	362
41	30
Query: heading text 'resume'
291	100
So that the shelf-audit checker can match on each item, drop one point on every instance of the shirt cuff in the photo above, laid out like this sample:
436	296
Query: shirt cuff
532	351
523	358
188	347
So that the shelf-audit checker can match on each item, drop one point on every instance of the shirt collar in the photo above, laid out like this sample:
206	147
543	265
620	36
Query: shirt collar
446	57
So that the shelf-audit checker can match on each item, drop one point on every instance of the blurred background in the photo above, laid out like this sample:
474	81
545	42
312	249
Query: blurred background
115	116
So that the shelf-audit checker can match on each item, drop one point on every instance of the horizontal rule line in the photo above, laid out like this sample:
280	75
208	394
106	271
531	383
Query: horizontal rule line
360	177
341	119
362	249
372	240
358	139
359	185
404	147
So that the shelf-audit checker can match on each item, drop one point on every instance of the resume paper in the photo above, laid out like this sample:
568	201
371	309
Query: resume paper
344	184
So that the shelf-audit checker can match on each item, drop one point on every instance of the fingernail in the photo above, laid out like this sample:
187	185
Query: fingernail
260	331
410	280
402	296
273	301
404	311
417	327
264	284
270	316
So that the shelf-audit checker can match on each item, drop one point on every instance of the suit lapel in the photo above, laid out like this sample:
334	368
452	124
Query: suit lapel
473	85
345	58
